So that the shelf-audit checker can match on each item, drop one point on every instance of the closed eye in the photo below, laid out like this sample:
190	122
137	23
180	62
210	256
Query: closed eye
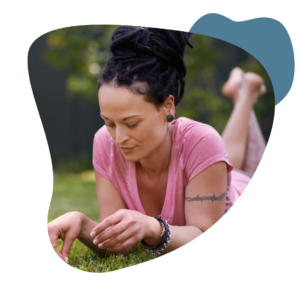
128	125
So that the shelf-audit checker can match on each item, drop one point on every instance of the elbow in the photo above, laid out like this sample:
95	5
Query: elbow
205	226
197	228
200	229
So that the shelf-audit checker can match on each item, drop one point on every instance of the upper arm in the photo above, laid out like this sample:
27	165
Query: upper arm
109	199
205	196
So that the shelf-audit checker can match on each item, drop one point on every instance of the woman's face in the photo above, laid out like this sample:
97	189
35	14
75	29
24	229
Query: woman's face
135	125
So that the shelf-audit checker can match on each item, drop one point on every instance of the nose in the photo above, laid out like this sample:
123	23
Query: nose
121	134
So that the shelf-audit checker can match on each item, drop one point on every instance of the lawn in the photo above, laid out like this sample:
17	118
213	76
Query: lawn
77	192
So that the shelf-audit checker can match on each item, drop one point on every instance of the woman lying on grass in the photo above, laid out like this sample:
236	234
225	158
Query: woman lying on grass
161	181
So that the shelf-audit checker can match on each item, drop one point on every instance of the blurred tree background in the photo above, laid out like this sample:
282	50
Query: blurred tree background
79	54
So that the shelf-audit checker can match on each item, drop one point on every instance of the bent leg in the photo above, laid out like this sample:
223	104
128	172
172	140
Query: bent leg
242	130
255	145
235	134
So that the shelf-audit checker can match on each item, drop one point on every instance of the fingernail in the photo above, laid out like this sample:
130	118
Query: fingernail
95	241
66	259
93	233
100	245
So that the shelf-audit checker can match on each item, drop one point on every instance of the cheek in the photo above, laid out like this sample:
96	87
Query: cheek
141	136
152	136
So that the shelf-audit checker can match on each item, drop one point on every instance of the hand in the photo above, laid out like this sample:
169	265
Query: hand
66	227
123	229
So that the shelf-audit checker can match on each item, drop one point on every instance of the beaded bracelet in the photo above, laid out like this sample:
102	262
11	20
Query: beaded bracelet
165	240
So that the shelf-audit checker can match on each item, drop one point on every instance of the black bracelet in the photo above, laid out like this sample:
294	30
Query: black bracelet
166	240
162	236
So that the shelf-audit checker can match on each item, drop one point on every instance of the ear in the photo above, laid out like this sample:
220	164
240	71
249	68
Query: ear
169	106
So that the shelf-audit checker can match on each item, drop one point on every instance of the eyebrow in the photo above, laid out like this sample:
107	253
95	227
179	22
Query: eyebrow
125	118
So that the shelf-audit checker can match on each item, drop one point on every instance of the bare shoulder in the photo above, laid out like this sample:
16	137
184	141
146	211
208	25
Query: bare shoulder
109	199
205	196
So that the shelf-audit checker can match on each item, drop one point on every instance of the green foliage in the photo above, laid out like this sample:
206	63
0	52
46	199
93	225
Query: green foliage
85	49
202	100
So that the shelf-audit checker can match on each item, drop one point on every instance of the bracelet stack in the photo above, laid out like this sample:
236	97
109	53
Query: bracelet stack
165	239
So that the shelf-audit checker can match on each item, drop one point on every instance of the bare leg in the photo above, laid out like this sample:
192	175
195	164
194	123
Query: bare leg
242	135
255	145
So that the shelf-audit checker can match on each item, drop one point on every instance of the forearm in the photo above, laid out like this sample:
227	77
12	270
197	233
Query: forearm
86	238
181	235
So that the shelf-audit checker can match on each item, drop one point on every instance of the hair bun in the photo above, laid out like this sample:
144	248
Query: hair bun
151	55
167	45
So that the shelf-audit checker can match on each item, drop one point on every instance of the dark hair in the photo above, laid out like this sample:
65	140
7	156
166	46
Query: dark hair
149	55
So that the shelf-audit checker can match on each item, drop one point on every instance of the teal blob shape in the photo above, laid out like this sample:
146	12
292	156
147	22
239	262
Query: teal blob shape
264	38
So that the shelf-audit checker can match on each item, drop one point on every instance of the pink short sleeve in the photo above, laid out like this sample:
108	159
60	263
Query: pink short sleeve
101	152
204	147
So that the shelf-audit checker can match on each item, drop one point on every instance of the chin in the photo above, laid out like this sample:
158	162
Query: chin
131	158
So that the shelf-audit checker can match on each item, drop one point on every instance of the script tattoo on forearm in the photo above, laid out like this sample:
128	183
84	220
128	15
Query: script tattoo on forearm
205	198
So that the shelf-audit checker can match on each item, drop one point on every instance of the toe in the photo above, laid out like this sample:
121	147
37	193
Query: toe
263	89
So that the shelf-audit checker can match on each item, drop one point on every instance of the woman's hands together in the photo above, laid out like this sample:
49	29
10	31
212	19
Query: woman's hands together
117	233
66	227
125	228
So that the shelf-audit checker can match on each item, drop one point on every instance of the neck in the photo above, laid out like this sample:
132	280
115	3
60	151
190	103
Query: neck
158	161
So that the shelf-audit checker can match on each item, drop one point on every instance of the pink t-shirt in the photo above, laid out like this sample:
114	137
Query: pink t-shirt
195	146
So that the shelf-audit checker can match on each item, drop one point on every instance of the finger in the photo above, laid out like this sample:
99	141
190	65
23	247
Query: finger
53	239
66	248
110	232
109	221
124	245
116	239
58	253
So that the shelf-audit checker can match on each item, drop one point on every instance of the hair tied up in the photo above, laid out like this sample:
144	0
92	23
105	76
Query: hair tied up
150	55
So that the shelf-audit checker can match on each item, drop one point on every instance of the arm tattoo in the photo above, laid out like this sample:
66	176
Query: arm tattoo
204	198
89	243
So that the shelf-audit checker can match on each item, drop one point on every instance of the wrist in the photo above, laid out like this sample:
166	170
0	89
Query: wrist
85	227
154	232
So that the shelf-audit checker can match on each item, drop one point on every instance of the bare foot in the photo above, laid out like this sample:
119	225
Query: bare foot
252	87
233	84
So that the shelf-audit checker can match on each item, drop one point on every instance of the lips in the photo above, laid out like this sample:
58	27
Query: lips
127	149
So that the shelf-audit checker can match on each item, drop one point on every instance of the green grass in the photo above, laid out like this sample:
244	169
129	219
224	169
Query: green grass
77	192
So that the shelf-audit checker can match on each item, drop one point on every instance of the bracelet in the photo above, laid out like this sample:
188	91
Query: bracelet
160	242
165	239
